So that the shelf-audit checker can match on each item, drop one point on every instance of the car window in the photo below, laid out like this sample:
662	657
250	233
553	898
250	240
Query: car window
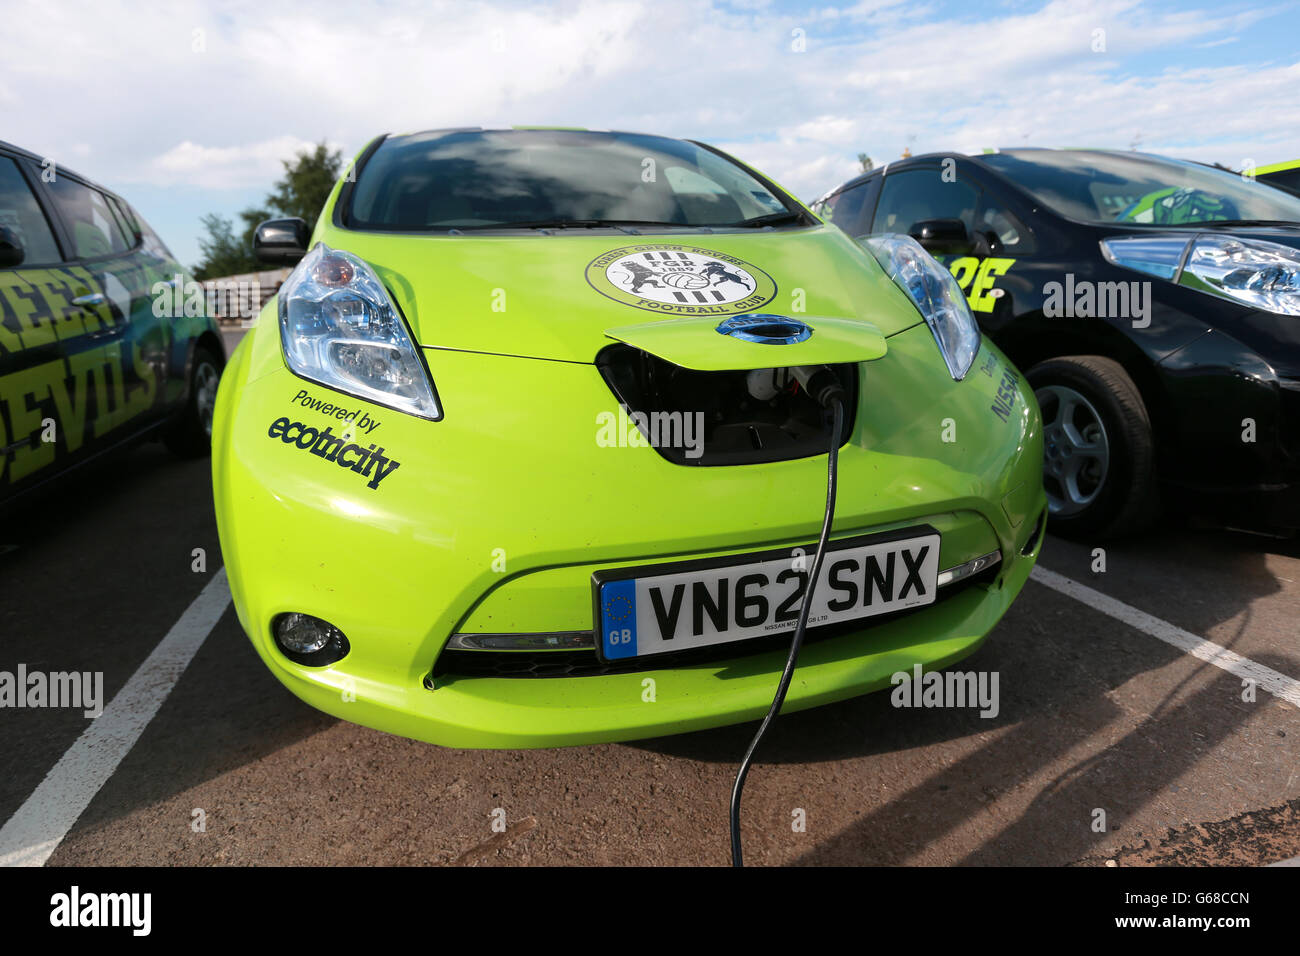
913	195
1005	230
85	211
1101	187
20	212
485	179
1287	179
846	209
126	218
149	241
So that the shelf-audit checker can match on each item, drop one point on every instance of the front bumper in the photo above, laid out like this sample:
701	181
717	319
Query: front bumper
501	510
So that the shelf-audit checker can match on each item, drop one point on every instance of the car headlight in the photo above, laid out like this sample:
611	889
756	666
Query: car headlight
936	295
339	327
1262	274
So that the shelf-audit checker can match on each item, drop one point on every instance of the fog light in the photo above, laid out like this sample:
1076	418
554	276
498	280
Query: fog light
309	640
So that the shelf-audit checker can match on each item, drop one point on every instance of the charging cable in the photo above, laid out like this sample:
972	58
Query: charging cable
823	385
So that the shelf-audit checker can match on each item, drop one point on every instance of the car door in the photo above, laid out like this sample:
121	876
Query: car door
996	237
159	317
45	306
119	357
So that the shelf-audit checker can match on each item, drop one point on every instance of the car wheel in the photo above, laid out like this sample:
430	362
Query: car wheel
1098	453
192	435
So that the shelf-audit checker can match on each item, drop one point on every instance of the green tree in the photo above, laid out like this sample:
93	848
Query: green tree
223	253
301	191
306	184
865	160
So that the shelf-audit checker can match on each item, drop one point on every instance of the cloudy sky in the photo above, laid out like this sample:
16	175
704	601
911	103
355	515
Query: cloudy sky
187	107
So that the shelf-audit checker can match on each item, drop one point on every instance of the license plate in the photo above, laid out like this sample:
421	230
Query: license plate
662	608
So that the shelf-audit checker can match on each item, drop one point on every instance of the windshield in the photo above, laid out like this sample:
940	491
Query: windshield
530	178
1138	188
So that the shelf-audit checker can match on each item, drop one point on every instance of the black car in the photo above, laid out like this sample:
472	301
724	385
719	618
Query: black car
1281	175
1155	305
104	339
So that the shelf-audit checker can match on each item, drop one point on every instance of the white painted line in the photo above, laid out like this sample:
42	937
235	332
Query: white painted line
1279	685
36	830
1294	861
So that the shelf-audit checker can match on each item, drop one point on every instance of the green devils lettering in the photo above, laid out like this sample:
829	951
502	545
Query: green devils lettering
981	297
71	397
23	392
963	270
33	314
36	308
4	444
58	288
88	387
976	279
10	339
113	403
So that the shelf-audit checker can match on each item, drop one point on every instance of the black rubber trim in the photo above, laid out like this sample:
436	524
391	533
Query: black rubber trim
561	664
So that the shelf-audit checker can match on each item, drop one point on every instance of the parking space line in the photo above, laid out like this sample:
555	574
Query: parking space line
1277	684
35	831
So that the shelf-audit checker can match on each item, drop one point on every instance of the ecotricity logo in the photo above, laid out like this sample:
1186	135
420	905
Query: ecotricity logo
680	280
336	449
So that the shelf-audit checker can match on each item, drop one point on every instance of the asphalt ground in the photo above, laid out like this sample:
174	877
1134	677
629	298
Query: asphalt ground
1101	709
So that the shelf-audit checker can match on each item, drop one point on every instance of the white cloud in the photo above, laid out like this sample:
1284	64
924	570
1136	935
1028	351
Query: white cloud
223	167
877	76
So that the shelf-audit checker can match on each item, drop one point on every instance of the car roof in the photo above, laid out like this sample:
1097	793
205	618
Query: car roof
1277	167
1011	151
35	157
529	128
878	170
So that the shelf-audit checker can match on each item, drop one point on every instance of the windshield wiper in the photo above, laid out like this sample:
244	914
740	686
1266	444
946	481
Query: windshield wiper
559	223
771	219
1289	223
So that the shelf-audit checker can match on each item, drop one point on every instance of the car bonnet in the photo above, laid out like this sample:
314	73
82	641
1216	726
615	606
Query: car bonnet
565	295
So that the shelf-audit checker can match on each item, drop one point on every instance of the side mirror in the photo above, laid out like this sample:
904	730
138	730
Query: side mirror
941	235
281	242
11	248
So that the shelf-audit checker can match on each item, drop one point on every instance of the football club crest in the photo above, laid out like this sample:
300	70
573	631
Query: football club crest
680	280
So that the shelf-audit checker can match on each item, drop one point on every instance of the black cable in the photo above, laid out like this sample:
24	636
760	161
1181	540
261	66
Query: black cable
837	406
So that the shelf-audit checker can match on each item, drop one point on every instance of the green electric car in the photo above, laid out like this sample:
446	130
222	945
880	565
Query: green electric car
531	448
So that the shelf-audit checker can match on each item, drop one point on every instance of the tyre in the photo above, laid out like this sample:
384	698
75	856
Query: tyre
1098	453
191	437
